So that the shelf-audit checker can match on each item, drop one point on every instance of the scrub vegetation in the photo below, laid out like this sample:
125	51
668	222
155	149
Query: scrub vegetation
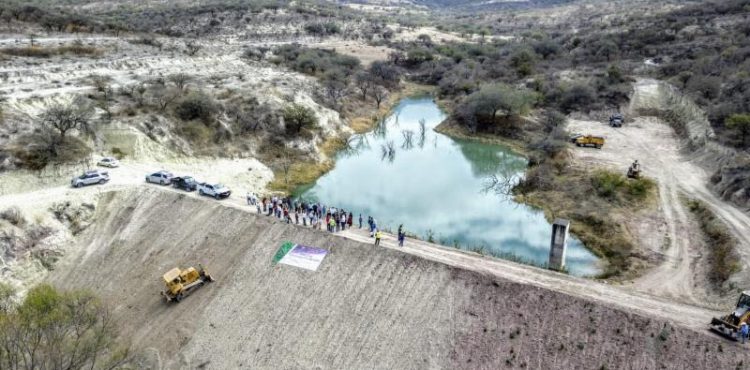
723	256
52	329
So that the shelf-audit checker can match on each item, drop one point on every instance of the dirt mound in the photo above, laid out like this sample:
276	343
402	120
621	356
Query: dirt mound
363	308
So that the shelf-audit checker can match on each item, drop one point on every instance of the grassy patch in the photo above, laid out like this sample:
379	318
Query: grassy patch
616	187
721	244
300	173
292	170
595	203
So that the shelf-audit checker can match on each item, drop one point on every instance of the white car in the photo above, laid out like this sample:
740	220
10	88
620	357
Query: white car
110	162
217	191
90	178
160	177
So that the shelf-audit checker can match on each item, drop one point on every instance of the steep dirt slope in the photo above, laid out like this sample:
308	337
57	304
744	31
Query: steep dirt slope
363	308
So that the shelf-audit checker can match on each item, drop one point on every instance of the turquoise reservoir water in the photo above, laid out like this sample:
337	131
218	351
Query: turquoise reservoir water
404	173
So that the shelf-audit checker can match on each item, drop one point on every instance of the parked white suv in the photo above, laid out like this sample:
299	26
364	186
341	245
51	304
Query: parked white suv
160	177
109	162
90	178
217	191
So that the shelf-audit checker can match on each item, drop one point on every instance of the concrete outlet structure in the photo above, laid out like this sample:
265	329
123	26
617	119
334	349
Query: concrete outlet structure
558	244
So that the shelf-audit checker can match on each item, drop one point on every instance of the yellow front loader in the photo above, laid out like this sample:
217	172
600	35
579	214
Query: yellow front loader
729	325
180	283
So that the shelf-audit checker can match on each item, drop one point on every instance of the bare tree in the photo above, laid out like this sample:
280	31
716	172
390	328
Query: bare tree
363	81
162	96
336	86
422	132
138	92
180	80
408	139
63	118
379	93
286	162
388	151
103	87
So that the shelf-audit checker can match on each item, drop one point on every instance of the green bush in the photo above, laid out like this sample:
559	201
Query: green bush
118	153
57	330
313	61
196	105
607	183
615	186
640	188
36	151
196	132
298	118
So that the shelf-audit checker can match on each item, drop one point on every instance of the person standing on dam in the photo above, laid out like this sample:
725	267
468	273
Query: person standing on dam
744	331
360	220
377	238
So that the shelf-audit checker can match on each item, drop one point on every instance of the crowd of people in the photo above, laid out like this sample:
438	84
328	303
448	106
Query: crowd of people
316	215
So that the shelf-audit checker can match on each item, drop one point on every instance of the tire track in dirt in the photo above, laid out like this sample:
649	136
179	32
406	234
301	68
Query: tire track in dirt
680	273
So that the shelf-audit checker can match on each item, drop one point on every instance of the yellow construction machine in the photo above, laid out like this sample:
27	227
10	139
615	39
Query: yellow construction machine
588	140
729	325
179	283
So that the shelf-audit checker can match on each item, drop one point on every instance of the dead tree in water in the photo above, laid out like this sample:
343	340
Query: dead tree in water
408	139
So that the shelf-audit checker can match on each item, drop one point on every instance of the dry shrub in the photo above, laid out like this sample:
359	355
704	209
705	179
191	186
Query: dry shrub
47	52
14	216
723	256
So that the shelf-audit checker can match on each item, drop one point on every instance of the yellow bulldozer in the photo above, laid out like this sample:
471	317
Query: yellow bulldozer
180	283
729	325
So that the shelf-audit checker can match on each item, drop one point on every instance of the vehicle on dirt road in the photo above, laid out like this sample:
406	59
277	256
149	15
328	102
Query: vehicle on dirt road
160	177
180	283
110	162
90	178
616	120
217	191
186	183
589	140
729	325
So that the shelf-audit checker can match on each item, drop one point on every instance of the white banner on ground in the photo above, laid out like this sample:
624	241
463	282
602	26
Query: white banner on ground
305	257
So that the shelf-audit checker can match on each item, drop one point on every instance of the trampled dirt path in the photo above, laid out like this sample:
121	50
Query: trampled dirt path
674	235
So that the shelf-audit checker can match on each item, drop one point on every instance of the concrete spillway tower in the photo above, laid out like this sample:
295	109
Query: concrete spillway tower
558	244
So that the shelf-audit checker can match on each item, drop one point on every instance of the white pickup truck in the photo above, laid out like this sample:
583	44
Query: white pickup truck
217	191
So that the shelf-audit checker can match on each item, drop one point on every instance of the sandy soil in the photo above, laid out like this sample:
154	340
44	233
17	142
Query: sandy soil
419	307
360	50
674	236
441	36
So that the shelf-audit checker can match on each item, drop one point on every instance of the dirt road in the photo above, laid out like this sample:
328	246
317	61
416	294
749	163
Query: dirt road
674	236
611	295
